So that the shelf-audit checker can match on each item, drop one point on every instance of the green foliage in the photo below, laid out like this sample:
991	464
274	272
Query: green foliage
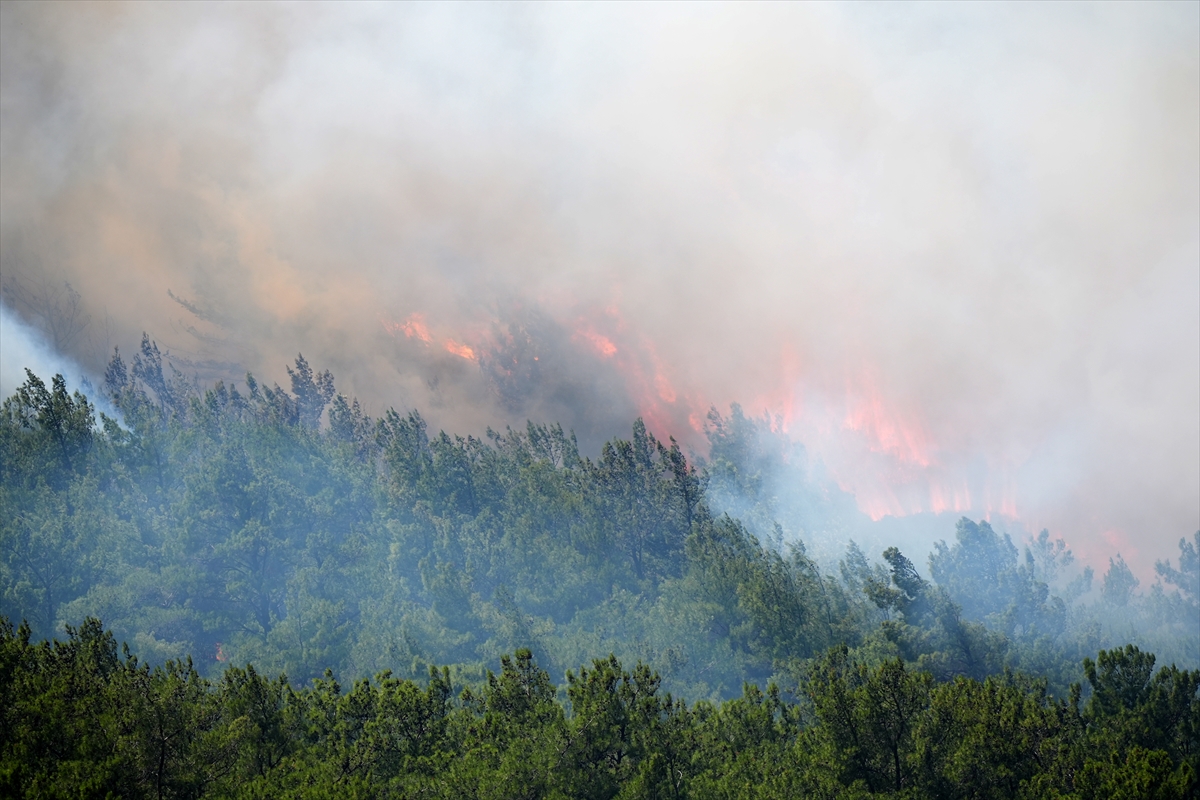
77	719
238	527
1187	578
230	524
1119	583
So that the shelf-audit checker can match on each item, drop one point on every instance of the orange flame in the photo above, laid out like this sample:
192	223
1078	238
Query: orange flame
460	350
886	429
942	498
647	377
599	342
881	454
782	405
874	448
413	328
221	654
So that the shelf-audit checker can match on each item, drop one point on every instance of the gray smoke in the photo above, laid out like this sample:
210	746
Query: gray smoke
954	248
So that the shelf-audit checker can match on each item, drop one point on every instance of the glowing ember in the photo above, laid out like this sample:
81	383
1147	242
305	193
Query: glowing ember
460	350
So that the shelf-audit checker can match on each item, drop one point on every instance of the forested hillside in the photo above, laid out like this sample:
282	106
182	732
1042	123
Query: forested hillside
219	528
290	530
77	719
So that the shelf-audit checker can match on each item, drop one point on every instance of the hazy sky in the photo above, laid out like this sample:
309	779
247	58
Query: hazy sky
955	247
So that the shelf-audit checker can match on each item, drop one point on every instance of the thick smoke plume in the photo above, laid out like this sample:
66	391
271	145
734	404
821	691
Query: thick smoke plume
952	249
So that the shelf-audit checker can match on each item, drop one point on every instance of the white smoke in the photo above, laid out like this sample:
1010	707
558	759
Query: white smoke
971	229
24	347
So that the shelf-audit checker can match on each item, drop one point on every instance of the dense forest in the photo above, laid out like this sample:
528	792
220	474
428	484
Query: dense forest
215	528
79	720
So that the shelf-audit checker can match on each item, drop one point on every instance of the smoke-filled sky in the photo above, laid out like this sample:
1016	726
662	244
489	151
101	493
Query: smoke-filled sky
953	248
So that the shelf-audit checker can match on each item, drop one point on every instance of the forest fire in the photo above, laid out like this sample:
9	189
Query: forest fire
683	350
873	449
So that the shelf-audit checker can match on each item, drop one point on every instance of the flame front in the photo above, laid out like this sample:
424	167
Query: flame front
879	451
873	447
885	429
